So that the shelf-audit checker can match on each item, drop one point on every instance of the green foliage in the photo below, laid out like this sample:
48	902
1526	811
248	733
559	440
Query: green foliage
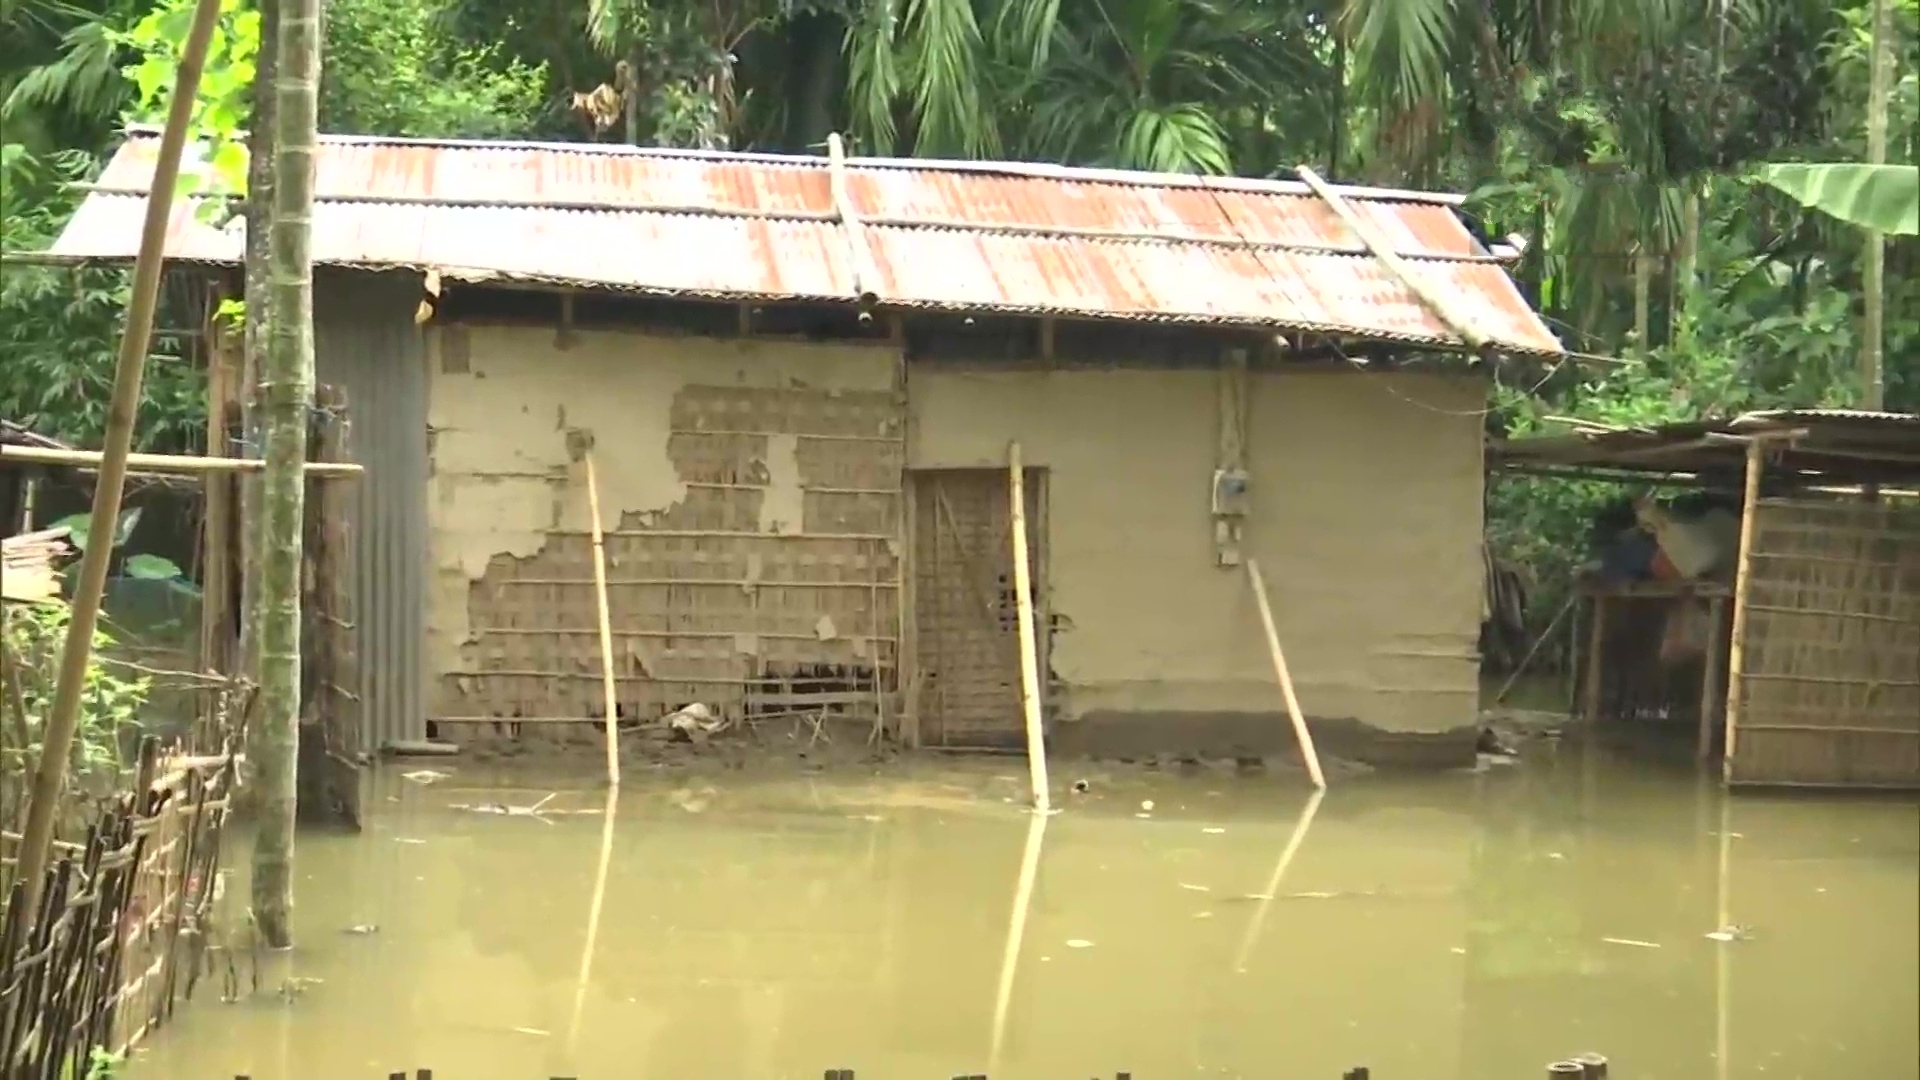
391	68
219	163
80	528
60	328
34	636
1883	197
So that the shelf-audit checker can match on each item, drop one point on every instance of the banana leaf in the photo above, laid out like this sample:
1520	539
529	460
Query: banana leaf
1883	197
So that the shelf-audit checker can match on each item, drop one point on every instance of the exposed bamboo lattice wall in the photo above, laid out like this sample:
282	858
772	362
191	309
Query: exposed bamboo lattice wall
1830	679
752	594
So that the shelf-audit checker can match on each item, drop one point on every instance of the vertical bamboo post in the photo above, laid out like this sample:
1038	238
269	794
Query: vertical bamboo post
1029	648
612	703
50	775
1711	675
1743	571
1285	679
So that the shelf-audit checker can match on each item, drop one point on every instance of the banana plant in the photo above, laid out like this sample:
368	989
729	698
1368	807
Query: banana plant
1883	197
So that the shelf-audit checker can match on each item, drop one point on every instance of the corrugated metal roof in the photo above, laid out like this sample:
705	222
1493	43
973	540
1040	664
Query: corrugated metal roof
954	235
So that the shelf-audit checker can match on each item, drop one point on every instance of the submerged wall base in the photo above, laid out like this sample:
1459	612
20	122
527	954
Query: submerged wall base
1112	734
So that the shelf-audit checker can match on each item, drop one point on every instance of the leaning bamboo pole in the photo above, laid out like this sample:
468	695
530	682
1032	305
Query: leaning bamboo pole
1281	675
605	614
1029	637
130	366
1742	583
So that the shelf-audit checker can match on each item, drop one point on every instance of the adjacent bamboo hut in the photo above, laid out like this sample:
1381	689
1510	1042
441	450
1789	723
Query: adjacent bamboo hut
1822	639
799	379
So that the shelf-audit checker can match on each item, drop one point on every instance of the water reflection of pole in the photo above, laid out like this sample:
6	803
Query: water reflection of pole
593	916
1722	977
1016	930
1279	871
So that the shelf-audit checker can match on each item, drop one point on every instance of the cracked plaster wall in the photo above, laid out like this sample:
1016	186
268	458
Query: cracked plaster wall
1366	520
504	401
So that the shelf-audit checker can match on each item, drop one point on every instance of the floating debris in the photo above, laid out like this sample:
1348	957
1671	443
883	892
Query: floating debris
1635	943
1731	932
1079	943
1213	830
1080	786
425	776
1195	888
408	840
362	929
531	1031
505	810
1147	805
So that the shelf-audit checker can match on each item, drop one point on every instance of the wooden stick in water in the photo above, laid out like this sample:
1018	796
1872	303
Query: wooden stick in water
1300	732
1029	645
1279	871
606	624
1742	581
1016	933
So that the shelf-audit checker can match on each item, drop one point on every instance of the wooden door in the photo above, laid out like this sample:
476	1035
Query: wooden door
966	637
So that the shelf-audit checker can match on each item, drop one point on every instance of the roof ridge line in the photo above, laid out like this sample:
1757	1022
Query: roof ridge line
1014	169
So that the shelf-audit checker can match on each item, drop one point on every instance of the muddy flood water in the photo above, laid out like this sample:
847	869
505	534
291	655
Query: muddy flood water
756	927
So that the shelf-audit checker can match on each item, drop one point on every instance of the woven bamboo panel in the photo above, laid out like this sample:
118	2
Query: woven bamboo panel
966	641
1830	677
771	588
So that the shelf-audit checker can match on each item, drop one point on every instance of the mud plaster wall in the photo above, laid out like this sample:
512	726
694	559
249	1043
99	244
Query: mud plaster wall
725	468
1366	521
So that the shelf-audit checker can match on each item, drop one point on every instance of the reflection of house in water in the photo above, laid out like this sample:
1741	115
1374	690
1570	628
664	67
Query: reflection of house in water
1812	632
798	378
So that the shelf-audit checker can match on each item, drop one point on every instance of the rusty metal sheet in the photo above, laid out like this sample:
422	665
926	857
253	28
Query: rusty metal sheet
960	236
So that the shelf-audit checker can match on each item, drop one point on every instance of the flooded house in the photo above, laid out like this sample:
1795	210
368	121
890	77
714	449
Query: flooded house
792	385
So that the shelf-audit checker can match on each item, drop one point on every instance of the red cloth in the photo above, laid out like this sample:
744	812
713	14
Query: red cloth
1662	567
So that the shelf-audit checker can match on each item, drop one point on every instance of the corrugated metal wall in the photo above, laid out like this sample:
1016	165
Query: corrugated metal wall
367	344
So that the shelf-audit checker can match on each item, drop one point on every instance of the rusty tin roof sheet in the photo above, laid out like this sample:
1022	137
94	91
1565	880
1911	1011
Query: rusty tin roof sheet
965	236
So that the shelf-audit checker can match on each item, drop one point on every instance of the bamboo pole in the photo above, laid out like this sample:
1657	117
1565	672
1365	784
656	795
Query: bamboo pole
1016	933
606	625
1029	648
594	908
1298	837
1742	580
1397	267
167	464
50	775
1281	675
1711	676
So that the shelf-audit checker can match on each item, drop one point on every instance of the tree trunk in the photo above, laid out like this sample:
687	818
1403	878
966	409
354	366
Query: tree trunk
1873	273
288	393
259	209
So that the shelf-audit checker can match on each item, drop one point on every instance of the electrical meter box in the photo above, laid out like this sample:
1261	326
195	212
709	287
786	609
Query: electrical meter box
1232	497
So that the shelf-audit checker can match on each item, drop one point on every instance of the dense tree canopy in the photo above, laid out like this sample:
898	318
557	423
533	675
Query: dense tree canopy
1624	138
